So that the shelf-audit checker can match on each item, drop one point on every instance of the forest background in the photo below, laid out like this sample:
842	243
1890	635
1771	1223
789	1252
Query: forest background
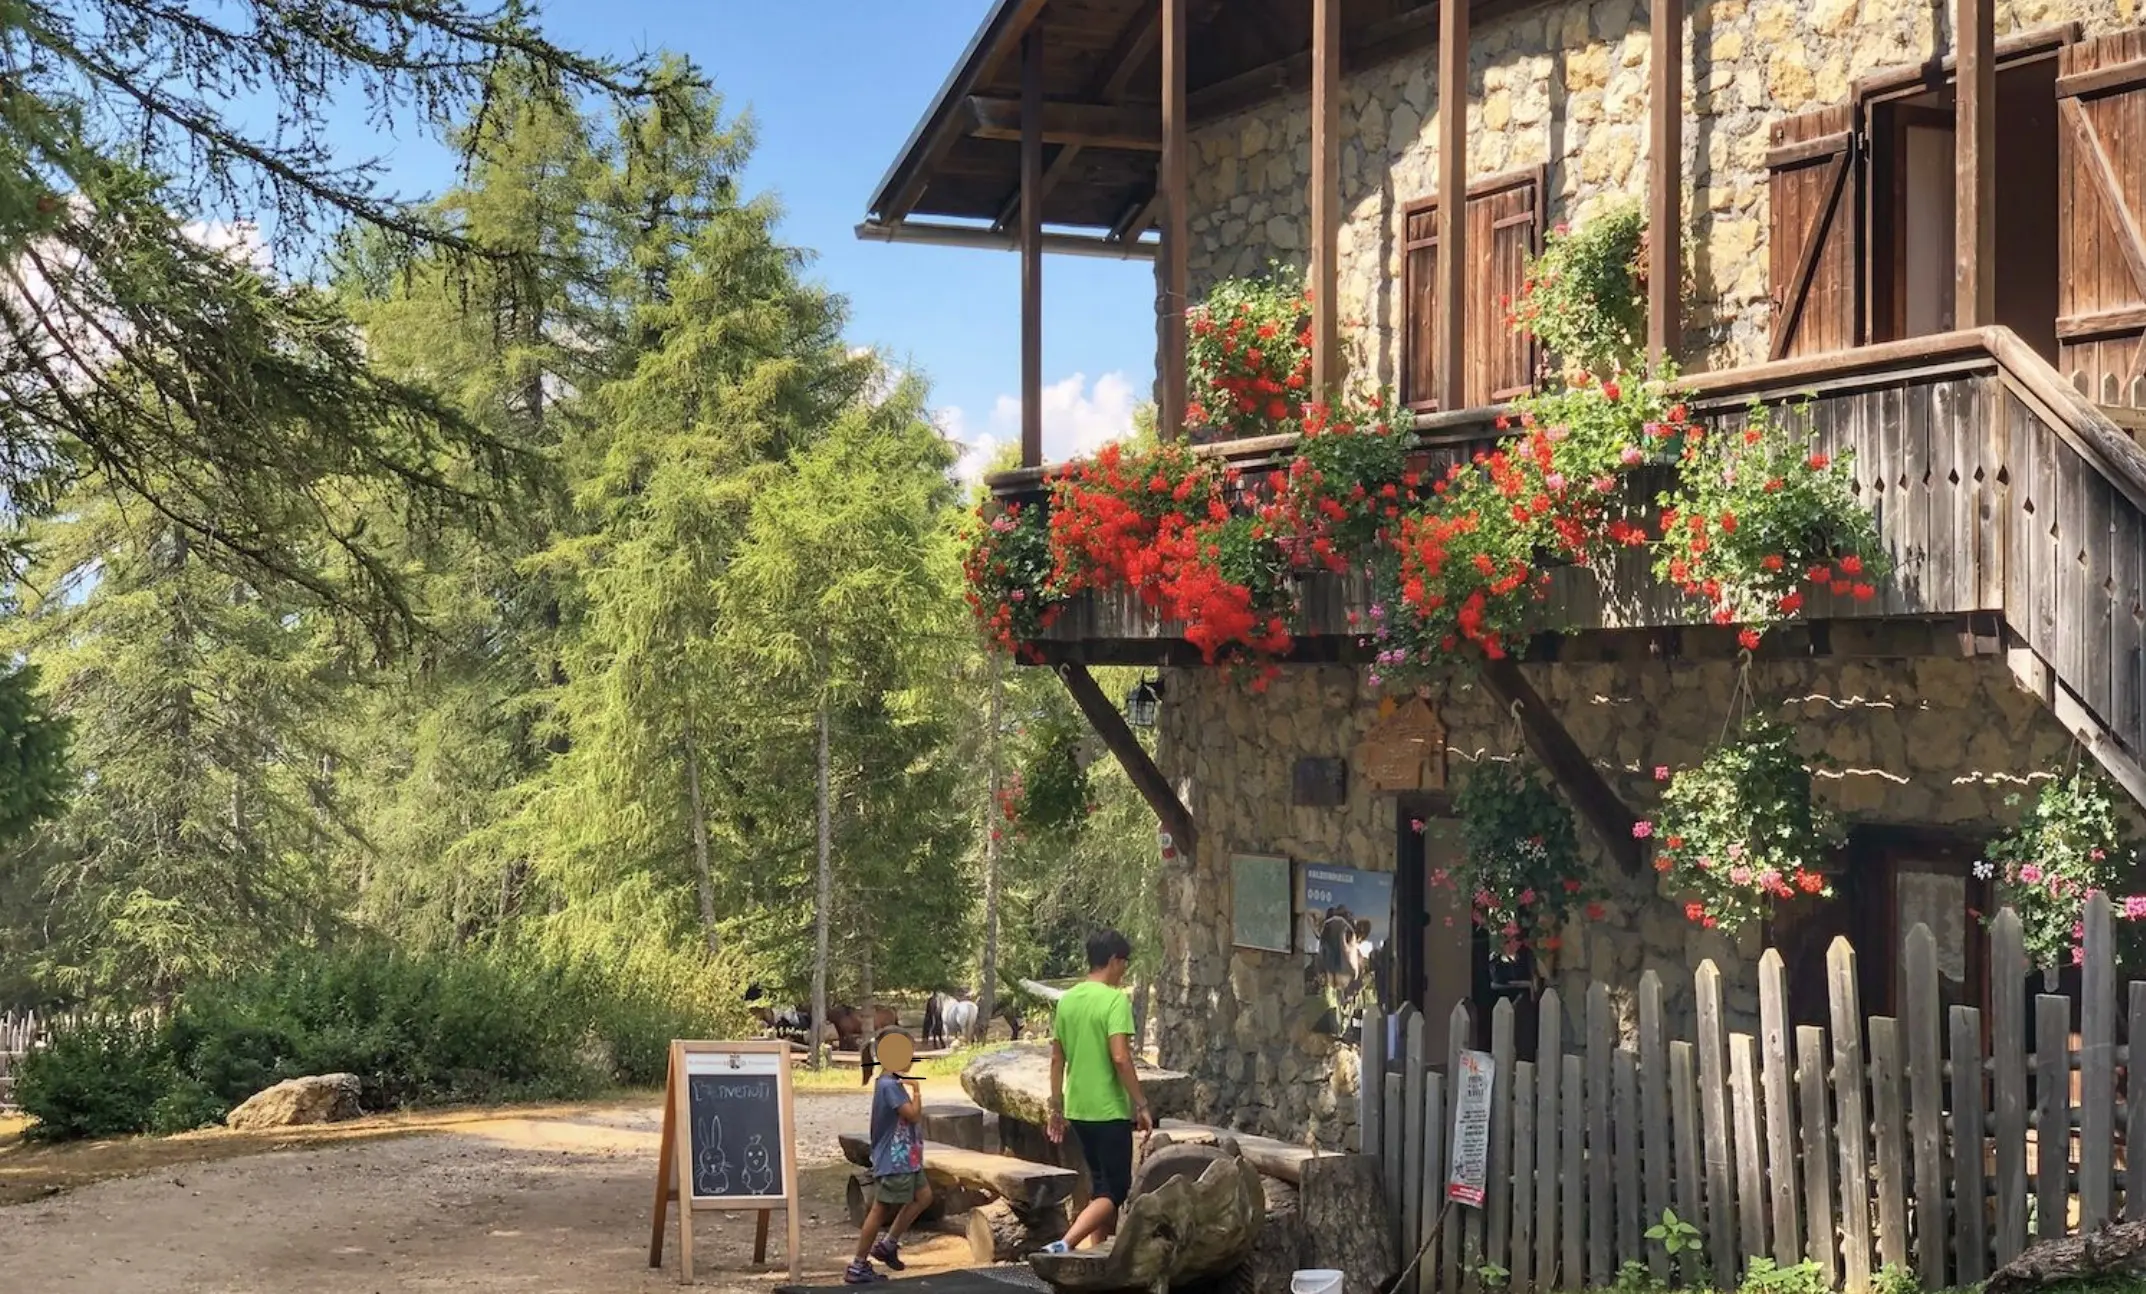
476	597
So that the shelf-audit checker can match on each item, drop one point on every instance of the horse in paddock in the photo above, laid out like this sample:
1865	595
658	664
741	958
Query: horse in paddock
952	1017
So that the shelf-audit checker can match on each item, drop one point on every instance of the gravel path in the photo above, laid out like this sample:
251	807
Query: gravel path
557	1204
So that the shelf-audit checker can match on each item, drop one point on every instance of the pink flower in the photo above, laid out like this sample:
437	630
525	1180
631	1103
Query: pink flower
2078	956
1604	484
2096	855
1527	898
1661	772
2031	873
1555	480
1631	456
2135	908
1739	875
1642	829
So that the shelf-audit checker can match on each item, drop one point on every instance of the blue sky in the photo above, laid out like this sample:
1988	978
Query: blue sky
834	88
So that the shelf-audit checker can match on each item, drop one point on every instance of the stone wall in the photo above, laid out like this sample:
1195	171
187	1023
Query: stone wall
1565	85
1930	741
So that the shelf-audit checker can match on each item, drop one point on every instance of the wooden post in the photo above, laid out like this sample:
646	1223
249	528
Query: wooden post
1665	220
1032	246
1109	725
1325	196
1453	207
1176	220
1975	237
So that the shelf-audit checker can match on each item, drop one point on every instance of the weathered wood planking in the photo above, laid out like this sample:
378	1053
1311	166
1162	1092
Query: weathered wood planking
1522	1264
1371	1097
2097	1067
1819	1244
1751	1207
1925	1028
1892	1155
1780	1105
2135	1109
1654	1100
1453	1241
1714	1120
1601	1234
1417	1049
1684	1114
1459	1033
1549	1112
1572	1251
1970	1205
2052	1114
1854	1126
1624	1077
1498	1210
1430	1238
2008	1081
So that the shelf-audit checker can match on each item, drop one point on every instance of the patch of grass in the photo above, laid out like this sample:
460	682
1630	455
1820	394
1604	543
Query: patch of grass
841	1074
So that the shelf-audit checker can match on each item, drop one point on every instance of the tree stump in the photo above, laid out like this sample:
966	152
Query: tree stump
1342	1200
956	1125
2118	1250
1275	1255
999	1233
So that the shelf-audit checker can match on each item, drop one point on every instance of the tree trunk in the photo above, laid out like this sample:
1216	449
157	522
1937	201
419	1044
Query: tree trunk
998	1234
1140	1014
2106	1253
987	996
703	879
821	910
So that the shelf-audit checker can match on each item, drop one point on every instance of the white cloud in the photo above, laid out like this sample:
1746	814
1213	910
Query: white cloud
1078	418
241	239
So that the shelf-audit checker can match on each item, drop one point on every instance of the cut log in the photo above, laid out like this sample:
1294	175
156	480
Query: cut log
1043	991
1027	1141
1343	1202
1271	1157
1029	1187
2118	1250
955	1125
1000	1233
1015	1083
1199	1217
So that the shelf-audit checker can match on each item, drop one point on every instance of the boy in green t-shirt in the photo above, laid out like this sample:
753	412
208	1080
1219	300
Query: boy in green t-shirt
1094	1088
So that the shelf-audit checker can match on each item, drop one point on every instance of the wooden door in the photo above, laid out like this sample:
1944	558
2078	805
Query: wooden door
1813	200
2101	200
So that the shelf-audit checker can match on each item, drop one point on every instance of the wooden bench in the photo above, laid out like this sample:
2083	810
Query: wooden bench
1022	1205
1277	1159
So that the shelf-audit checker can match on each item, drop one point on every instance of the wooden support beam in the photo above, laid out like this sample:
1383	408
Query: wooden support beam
1176	235
1109	725
1452	205
1138	217
1665	218
1135	44
1975	197
1325	197
1581	781
1032	122
1092	125
985	54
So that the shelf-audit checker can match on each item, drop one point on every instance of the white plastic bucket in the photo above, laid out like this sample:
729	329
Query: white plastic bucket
1315	1280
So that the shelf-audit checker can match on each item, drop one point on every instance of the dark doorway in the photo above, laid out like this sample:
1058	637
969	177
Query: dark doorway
1440	956
1912	193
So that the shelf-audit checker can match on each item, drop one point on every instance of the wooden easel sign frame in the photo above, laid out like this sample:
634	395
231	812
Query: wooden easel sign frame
705	1167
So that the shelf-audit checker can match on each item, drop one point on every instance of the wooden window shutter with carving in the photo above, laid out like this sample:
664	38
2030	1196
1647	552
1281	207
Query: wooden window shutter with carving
1504	232
2101	205
1814	200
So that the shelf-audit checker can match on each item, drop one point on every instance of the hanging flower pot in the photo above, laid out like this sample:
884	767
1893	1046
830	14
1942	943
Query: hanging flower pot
2071	842
1740	832
1521	869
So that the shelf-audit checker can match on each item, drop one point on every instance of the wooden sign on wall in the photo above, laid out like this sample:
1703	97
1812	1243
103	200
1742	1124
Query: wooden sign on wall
1406	749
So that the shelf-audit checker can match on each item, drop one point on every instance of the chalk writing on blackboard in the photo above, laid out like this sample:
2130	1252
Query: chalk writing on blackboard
735	1117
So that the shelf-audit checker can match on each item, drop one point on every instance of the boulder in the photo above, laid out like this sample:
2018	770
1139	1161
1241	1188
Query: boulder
296	1102
1015	1083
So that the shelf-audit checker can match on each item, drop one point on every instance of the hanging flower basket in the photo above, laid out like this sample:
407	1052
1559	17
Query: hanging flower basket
1740	832
2071	843
1521	869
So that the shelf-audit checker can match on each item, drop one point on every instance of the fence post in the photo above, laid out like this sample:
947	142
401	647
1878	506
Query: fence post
1601	1229
1714	1122
1780	1109
1499	1207
2008	1079
1926	1090
2097	1065
1819	1245
1854	1128
1971	1250
1549	1110
1416	1072
1654	1144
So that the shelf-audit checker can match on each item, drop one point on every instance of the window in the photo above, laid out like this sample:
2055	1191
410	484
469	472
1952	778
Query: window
1504	230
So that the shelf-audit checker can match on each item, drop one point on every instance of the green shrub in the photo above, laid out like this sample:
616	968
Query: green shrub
100	1078
479	1025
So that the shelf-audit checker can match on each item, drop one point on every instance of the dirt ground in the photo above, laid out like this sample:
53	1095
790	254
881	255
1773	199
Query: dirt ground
551	1200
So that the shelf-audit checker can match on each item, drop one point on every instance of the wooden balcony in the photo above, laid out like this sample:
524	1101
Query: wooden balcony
2013	507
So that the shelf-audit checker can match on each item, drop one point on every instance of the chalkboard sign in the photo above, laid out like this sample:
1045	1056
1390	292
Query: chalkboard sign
726	1142
736	1115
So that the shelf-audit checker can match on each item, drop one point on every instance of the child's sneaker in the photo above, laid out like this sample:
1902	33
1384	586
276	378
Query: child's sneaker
890	1253
861	1274
1055	1247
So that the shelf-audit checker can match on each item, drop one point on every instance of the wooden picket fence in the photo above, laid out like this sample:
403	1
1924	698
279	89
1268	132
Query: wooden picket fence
19	1032
1901	1143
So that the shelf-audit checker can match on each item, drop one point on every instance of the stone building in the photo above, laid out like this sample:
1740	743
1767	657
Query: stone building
1950	263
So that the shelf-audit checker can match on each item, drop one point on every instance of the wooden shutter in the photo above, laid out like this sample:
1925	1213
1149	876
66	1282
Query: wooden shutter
2101	200
1419	308
1813	200
1504	230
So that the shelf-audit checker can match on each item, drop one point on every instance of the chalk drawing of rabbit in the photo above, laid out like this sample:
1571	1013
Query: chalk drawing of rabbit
711	1168
759	1170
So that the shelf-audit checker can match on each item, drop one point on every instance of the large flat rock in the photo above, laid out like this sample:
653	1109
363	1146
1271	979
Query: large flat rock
1016	1084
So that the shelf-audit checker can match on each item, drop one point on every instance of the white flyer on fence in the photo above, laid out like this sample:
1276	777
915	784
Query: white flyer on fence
1471	1129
